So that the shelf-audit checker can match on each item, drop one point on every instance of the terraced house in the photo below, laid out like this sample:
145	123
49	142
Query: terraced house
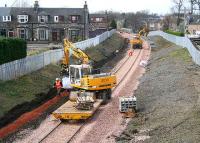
42	25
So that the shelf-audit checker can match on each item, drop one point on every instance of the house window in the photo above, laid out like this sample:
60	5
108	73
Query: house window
56	18
99	19
152	25
6	18
74	34
74	18
22	33
61	18
42	19
10	33
43	34
22	18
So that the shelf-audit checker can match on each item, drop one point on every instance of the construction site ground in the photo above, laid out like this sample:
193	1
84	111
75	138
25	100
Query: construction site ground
114	43
19	94
168	99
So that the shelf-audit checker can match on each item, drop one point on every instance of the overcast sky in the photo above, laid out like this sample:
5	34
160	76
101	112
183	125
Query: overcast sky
153	6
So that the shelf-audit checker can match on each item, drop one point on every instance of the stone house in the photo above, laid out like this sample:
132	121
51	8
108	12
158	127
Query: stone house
154	23
44	25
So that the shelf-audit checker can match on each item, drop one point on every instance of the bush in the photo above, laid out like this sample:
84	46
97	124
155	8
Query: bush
181	34
113	24
12	49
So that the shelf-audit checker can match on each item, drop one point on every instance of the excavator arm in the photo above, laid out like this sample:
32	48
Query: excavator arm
143	32
76	52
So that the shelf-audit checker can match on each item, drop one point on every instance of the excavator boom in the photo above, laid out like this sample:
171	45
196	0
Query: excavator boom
76	52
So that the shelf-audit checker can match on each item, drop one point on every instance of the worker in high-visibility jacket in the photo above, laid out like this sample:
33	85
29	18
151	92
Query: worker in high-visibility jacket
58	85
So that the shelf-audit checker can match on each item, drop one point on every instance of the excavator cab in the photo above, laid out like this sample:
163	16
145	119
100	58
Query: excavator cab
77	72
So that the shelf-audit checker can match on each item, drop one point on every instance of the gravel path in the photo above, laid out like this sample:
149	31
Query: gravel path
168	99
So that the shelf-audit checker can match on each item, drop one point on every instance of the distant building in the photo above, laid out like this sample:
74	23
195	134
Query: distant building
154	23
98	24
43	25
193	24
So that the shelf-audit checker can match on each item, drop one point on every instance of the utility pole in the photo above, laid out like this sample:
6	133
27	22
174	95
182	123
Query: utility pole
107	19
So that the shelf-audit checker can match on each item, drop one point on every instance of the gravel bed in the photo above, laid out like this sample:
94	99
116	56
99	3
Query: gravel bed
168	99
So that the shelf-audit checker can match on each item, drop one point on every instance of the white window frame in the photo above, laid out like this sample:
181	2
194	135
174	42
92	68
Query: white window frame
98	19
43	34
42	18
6	18
74	18
10	32
22	33
152	25
22	17
56	18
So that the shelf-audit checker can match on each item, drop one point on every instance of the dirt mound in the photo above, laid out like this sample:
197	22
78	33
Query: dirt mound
20	109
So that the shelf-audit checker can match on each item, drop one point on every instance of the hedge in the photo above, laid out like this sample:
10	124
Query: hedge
12	49
181	34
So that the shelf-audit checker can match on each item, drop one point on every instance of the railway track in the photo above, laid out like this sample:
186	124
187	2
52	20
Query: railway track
76	128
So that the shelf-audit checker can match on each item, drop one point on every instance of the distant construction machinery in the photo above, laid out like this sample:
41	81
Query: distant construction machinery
136	41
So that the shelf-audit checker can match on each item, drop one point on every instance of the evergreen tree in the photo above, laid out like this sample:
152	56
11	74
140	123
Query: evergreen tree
113	24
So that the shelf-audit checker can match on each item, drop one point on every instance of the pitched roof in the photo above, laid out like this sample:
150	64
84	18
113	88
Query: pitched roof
4	11
46	11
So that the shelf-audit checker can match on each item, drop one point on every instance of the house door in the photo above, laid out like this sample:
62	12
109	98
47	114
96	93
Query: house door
54	36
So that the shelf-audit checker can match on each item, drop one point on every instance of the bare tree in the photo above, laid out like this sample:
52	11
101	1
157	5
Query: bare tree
167	22
178	6
192	3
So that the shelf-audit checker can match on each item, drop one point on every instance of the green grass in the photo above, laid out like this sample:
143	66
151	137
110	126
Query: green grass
25	88
181	34
181	54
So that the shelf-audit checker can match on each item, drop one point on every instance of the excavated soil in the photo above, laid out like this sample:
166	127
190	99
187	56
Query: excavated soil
168	99
20	109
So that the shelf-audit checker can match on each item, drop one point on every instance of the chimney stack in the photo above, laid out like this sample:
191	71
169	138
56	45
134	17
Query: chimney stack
36	6
85	5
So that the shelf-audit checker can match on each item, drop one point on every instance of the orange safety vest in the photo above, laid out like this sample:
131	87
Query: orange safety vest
58	84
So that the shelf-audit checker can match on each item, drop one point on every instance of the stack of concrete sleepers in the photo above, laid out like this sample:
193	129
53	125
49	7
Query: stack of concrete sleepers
127	103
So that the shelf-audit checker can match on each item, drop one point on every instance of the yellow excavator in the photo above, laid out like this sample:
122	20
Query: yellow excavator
88	90
136	41
81	75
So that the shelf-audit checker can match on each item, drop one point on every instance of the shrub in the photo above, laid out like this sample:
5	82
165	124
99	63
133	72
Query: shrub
181	34
12	49
113	24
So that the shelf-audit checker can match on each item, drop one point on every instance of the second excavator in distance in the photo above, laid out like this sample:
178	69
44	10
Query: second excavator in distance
136	41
